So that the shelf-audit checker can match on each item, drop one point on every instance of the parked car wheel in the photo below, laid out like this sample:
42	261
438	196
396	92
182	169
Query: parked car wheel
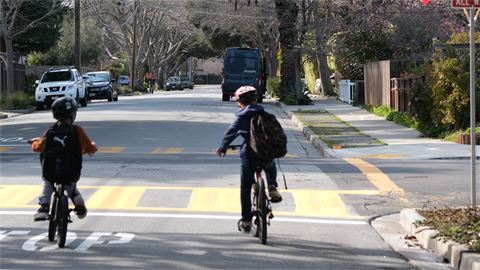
84	100
225	97
40	106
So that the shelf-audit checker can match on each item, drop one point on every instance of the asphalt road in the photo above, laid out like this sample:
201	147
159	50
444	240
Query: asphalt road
158	197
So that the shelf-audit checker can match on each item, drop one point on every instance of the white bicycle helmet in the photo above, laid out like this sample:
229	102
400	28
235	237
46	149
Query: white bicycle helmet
245	93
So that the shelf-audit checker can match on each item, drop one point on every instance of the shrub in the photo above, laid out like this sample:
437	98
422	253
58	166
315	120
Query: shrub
292	100
17	101
273	87
30	84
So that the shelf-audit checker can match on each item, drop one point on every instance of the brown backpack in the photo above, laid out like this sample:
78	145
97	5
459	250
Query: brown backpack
267	138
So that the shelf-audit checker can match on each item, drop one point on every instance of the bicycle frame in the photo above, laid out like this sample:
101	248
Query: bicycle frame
59	215
261	206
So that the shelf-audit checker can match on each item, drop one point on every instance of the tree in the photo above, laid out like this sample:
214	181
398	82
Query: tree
371	30
16	20
63	52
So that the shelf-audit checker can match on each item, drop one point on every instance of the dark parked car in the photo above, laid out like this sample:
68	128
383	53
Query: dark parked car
100	85
174	83
187	83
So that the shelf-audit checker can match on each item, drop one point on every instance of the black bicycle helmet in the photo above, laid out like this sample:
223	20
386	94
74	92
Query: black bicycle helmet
64	108
246	94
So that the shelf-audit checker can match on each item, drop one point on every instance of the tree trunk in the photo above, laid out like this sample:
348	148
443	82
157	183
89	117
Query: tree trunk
327	89
298	84
287	12
9	65
324	70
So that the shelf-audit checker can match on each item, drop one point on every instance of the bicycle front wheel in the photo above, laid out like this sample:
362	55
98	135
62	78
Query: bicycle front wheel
52	224
63	220
262	212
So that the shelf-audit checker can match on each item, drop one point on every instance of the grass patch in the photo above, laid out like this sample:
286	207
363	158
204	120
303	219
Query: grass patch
310	111
461	225
358	131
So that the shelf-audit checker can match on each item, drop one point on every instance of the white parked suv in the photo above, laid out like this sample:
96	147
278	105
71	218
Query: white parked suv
56	83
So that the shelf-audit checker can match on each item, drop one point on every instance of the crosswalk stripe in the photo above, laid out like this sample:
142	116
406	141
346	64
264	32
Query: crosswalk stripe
5	148
312	203
17	196
213	199
116	197
105	149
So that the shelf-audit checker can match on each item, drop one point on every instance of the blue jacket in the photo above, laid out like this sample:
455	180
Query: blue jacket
241	126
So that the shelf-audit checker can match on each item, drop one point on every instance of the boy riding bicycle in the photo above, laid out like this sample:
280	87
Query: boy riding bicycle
246	97
64	110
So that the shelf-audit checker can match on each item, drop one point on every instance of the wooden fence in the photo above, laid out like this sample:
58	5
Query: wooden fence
18	77
378	77
39	70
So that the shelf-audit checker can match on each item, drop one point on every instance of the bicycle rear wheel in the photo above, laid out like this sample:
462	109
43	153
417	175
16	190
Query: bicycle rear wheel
63	220
255	219
262	212
52	224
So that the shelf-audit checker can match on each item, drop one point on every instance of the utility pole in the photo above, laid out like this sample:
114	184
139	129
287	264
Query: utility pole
78	49
134	43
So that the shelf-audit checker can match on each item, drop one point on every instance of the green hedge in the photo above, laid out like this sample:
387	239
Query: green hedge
273	87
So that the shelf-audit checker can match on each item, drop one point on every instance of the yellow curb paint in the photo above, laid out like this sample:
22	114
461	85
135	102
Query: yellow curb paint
116	197
174	150
156	151
376	176
382	156
18	196
105	149
5	148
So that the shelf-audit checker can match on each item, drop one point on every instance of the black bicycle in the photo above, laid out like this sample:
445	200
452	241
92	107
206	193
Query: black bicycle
59	215
261	207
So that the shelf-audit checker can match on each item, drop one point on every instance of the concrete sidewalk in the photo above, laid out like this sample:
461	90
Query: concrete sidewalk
403	142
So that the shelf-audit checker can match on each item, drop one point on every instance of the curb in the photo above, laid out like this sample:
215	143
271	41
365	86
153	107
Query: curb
458	255
15	112
19	111
311	136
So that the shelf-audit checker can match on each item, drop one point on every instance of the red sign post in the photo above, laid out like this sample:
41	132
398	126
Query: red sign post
466	3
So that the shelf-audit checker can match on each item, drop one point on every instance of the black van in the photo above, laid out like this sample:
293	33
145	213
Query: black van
243	66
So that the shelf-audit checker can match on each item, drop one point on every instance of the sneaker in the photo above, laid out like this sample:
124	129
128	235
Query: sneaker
243	227
274	194
42	213
80	207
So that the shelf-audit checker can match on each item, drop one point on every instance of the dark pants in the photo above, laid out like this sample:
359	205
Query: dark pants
246	182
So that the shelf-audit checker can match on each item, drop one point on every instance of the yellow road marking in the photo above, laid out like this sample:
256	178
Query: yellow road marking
314	203
18	196
116	197
376	176
174	150
382	156
5	148
156	151
215	199
105	149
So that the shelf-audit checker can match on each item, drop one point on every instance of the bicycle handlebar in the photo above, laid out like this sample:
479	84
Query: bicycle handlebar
233	147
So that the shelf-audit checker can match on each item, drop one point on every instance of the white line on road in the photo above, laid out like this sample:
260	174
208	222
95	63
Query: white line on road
151	215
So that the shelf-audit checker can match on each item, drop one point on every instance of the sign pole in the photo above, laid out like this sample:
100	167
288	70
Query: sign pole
472	105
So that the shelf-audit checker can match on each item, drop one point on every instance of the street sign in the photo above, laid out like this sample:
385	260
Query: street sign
466	3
